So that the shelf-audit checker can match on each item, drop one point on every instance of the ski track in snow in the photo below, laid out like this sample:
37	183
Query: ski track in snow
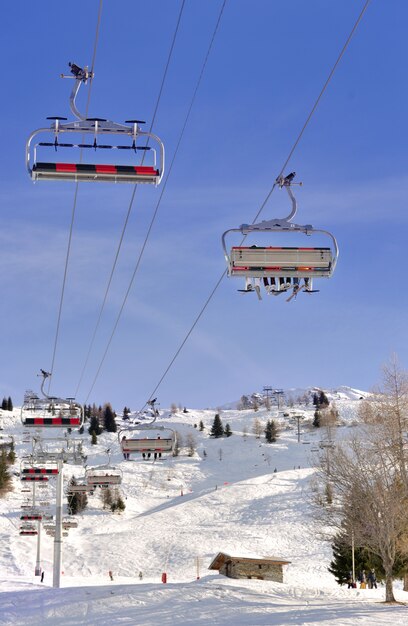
227	499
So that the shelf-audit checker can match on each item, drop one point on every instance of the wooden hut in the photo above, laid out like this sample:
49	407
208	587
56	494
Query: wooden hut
269	568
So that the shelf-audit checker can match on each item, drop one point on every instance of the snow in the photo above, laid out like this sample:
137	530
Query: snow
180	512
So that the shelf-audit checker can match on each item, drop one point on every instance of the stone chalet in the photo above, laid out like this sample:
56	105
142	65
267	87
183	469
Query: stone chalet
270	568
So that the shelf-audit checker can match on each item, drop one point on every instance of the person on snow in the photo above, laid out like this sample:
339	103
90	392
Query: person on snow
372	580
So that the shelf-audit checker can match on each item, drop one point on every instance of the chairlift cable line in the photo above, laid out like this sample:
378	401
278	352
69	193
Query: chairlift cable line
159	200
102	307
71	228
309	117
313	109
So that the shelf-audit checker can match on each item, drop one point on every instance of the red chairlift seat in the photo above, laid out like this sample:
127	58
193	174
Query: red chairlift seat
56	422
40	470
90	173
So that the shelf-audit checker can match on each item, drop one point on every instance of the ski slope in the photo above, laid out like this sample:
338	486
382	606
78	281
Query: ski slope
180	512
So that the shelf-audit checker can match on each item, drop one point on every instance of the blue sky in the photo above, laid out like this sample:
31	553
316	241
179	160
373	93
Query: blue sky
267	66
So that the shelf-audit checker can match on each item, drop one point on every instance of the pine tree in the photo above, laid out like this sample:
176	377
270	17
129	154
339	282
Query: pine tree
227	430
271	431
120	504
108	417
341	565
217	429
9	404
316	419
126	412
94	438
4	404
201	426
94	426
323	400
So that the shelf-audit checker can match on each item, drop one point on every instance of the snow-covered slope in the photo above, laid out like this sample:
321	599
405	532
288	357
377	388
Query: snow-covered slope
179	513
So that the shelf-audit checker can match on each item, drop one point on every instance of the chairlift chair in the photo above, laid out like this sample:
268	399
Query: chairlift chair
32	516
28	528
282	268
51	412
103	476
147	439
98	129
34	478
68	523
78	488
24	530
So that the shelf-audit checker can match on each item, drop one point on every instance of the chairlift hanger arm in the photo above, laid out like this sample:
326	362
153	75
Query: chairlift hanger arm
81	76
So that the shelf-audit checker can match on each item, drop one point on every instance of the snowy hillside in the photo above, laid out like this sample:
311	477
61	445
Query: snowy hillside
239	495
293	395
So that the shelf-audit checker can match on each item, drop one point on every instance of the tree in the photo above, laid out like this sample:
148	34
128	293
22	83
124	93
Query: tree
4	404
387	410
327	418
201	426
271	431
217	429
120	504
77	502
94	426
191	444
94	438
369	498
11	456
320	399
316	419
108	417
342	563
177	444
323	400
227	430
126	412
107	497
257	428
5	477
9	404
